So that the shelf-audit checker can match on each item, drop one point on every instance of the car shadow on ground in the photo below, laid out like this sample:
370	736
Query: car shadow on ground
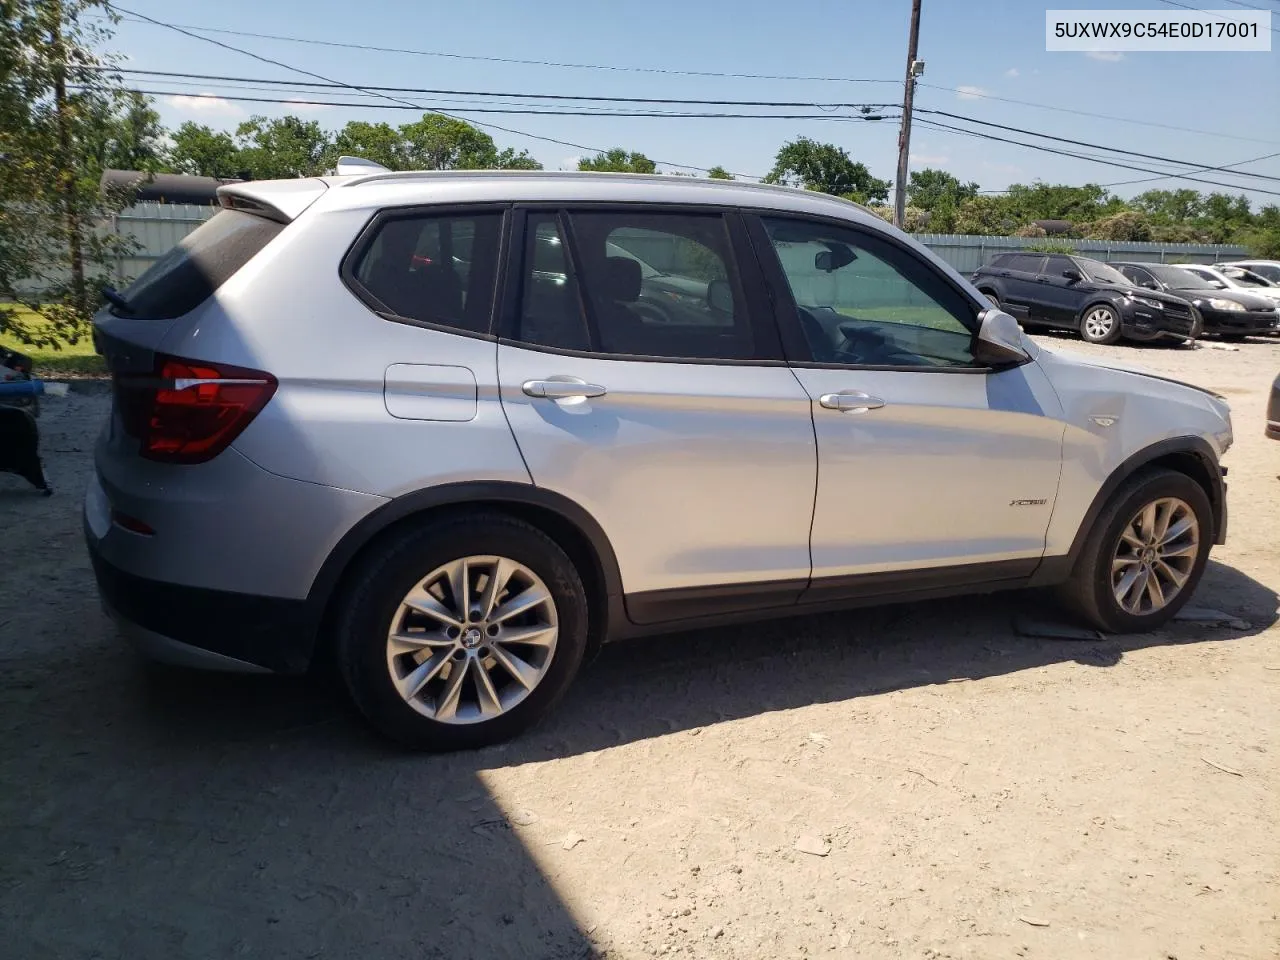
156	812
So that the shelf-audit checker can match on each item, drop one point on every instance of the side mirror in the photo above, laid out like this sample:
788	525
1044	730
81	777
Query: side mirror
1151	285
1075	276
999	340
720	296
838	256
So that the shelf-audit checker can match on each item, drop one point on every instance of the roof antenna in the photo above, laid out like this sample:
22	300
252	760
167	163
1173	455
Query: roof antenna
347	166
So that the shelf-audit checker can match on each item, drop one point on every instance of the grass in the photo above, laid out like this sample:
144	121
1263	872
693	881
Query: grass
68	360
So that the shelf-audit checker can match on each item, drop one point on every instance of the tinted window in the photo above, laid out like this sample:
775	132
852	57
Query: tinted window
1138	276
1270	271
1026	263
864	301
1102	272
206	258
550	307
1055	265
434	269
662	285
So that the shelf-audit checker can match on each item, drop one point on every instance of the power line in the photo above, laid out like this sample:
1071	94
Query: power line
1084	156
516	61
1082	143
317	76
531	111
1225	167
1131	121
488	93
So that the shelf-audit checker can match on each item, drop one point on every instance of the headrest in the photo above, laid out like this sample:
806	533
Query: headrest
622	279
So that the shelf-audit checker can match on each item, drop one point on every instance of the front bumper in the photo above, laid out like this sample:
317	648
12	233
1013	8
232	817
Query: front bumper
1241	323
1139	322
208	629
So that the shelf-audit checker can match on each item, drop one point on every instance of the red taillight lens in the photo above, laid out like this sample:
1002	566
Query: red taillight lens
189	411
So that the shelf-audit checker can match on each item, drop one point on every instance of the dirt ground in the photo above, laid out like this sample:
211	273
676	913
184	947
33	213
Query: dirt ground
976	793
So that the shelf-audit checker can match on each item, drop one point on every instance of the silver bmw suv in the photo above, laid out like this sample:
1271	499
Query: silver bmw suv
457	429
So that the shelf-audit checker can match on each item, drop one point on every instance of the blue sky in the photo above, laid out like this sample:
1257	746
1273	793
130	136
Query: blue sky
994	48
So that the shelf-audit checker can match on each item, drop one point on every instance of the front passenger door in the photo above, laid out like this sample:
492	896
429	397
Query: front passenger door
931	468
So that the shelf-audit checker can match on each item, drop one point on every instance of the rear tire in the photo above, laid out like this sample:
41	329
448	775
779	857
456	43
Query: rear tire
1100	323
995	301
480	682
1139	536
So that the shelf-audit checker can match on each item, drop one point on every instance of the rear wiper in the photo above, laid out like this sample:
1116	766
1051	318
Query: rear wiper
117	299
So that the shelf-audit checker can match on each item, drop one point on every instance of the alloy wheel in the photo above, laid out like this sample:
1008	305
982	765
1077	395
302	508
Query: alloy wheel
472	639
1098	323
1154	556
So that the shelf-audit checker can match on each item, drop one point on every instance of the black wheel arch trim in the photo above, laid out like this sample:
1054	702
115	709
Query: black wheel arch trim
1197	446
486	492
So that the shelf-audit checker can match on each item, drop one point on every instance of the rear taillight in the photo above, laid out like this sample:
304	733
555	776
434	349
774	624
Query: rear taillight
189	411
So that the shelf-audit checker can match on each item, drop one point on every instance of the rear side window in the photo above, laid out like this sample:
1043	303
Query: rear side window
206	258
1025	263
438	269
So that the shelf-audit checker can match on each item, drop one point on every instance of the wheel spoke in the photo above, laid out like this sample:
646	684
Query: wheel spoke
460	587
1120	563
536	636
1173	533
526	674
1164	513
1176	576
413	682
1126	584
428	605
527	599
447	703
498	577
1155	593
413	642
1147	522
1188	550
486	693
1131	538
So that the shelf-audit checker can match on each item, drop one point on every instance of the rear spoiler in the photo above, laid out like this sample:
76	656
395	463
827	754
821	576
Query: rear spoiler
279	200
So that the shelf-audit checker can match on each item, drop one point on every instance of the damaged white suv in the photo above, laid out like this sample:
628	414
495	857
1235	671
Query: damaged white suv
459	428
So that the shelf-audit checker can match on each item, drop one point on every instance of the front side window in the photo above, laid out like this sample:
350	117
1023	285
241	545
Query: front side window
1101	272
861	300
438	269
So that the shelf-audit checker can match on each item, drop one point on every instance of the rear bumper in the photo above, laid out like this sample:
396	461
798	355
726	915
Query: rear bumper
208	629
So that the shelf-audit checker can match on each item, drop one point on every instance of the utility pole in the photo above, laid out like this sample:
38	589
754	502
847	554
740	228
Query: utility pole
914	69
65	172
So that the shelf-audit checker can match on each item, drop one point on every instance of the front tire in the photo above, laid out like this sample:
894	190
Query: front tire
1100	323
462	632
1145	555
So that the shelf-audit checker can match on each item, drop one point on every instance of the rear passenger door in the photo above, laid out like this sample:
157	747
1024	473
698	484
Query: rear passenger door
1021	285
643	378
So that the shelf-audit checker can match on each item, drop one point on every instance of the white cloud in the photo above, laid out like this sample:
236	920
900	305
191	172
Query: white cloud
205	103
929	160
1011	72
970	93
570	163
298	106
1106	56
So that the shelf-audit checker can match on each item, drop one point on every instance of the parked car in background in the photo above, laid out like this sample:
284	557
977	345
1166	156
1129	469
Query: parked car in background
457	478
1233	278
1077	293
1228	313
1268	269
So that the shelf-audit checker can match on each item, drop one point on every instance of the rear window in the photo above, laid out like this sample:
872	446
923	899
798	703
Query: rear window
203	261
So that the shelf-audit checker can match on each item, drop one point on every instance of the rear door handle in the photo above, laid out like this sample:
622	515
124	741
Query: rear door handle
850	401
566	389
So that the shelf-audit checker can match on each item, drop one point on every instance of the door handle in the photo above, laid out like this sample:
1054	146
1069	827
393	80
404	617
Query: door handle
566	389
850	401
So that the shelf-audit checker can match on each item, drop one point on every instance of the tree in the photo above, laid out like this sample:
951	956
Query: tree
282	148
1046	201
828	169
1126	225
930	188
985	216
379	142
1169	206
618	160
437	142
56	110
128	138
720	173
203	152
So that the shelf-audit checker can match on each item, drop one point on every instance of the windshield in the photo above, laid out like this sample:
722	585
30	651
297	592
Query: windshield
1247	278
1180	279
1102	273
1270	271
